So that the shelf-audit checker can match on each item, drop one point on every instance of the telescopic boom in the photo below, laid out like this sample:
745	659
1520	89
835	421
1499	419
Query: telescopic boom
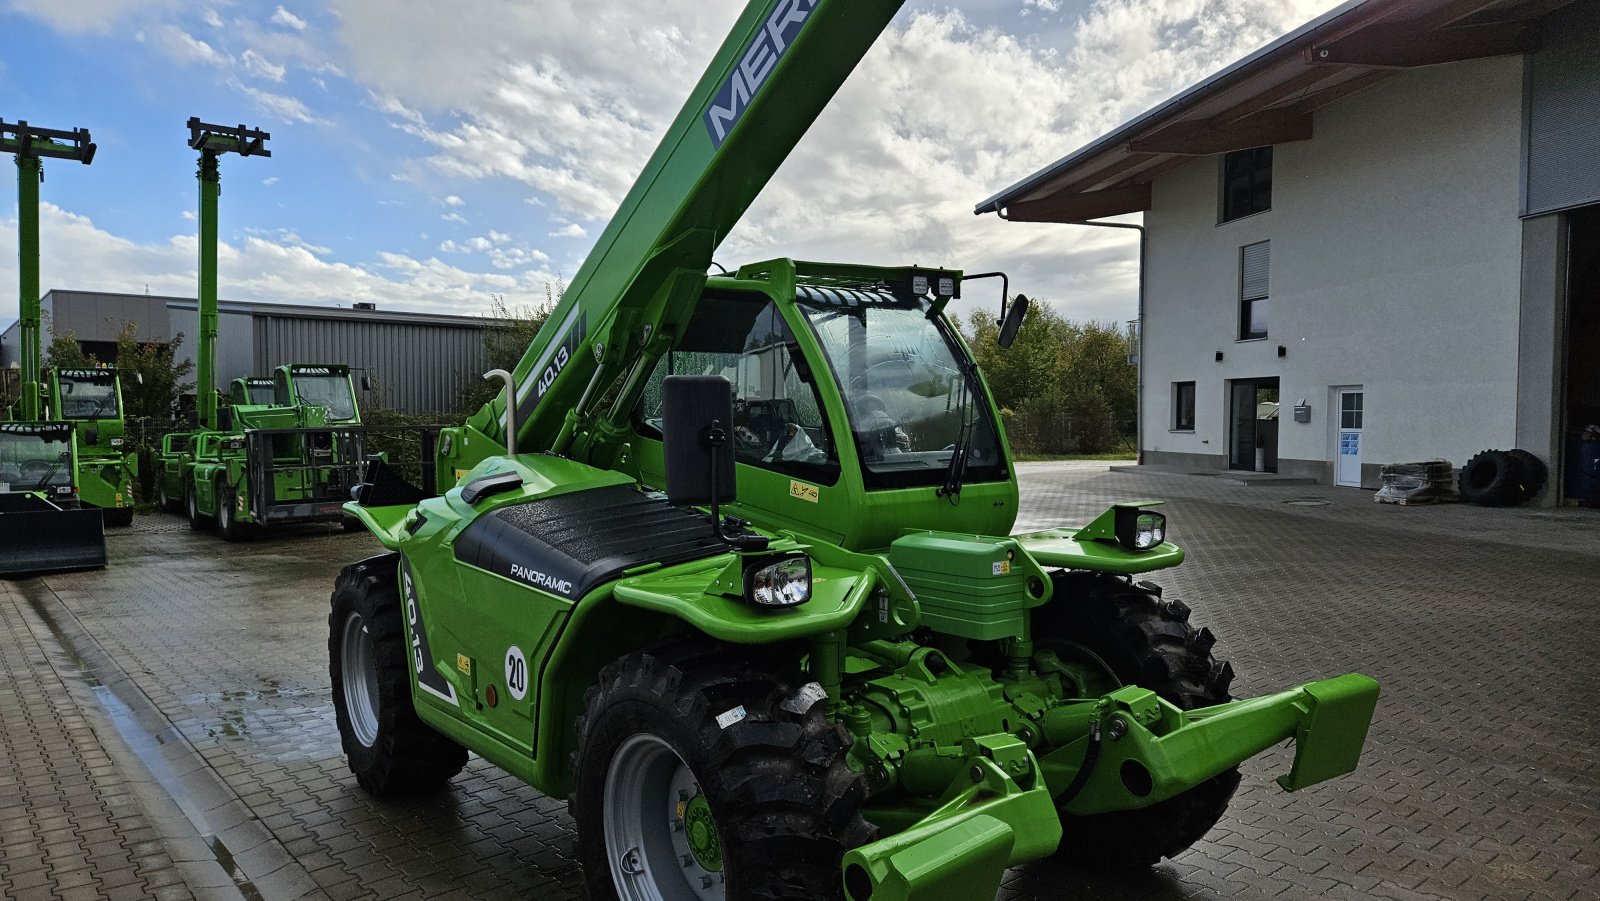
779	67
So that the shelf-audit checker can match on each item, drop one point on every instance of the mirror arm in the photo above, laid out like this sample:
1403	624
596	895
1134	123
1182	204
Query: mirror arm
717	438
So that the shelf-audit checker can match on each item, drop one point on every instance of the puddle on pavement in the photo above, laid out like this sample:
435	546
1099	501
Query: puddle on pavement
272	719
142	741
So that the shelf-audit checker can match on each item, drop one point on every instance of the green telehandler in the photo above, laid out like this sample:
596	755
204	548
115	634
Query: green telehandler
730	565
91	399
43	525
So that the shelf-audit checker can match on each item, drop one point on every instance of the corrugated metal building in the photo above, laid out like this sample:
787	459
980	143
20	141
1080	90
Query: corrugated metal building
415	362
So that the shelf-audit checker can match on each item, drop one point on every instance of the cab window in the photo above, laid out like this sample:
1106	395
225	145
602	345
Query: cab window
778	421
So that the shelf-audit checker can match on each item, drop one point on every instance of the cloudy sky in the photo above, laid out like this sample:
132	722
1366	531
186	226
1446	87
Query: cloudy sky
428	155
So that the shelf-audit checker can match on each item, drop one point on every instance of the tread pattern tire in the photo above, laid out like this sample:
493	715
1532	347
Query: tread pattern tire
786	803
228	526
1149	642
1534	472
191	509
407	755
1493	478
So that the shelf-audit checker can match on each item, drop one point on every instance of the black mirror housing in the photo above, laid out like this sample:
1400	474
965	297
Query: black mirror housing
697	426
1013	320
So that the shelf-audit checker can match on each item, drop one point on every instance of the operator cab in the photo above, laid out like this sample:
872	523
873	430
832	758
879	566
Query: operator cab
85	395
326	386
254	391
843	387
36	457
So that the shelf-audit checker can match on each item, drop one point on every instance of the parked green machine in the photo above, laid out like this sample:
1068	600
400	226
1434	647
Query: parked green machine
294	460
91	399
42	524
850	680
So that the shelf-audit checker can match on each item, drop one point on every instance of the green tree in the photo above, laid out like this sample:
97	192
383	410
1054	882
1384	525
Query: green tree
64	352
1063	386
153	379
506	338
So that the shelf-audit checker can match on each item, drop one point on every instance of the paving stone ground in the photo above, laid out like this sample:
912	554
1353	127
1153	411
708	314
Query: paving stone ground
1481	778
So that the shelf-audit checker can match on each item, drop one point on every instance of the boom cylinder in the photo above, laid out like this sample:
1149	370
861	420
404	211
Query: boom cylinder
28	173
206	353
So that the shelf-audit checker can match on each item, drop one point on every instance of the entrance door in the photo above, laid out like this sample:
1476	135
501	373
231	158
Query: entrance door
1347	466
1253	425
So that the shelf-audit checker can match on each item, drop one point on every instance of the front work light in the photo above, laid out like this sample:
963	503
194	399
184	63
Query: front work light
1140	530
781	581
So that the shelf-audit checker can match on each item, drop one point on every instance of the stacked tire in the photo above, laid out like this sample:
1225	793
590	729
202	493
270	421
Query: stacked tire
1495	478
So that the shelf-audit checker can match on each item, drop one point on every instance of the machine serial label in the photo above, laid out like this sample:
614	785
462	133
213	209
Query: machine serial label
804	492
757	61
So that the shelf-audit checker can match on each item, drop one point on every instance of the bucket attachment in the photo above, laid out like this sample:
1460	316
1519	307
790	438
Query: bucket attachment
36	536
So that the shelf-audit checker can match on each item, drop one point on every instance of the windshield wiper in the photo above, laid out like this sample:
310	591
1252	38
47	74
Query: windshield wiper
51	472
957	473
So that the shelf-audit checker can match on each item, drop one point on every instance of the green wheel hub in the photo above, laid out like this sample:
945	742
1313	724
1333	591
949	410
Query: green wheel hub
701	830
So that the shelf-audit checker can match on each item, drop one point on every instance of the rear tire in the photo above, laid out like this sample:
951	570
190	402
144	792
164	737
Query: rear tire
1533	470
769	793
164	503
191	507
1493	479
389	748
1148	642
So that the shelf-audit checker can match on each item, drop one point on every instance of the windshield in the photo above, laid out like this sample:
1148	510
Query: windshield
88	395
778	422
254	392
330	391
904	388
33	461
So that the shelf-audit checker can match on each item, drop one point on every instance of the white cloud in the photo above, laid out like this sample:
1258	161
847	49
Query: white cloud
570	230
188	214
211	18
270	181
261	67
454	217
186	48
282	106
569	100
288	19
98	16
453	200
271	266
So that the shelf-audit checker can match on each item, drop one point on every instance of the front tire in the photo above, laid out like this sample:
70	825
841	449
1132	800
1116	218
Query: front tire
696	779
389	748
228	524
1148	642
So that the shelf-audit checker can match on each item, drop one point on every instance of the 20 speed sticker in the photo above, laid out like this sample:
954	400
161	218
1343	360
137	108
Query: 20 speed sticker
516	673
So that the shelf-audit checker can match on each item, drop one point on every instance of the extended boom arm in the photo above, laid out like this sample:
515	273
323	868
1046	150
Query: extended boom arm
773	76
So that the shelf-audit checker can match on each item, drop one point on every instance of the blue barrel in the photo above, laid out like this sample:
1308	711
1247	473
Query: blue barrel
1583	470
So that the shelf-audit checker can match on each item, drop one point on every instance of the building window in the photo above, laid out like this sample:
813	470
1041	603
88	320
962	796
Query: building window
1246	183
1254	263
1183	406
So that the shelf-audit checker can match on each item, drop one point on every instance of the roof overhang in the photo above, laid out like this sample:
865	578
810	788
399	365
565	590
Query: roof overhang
1269	98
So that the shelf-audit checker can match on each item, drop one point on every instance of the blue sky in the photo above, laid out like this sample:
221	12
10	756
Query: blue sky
427	160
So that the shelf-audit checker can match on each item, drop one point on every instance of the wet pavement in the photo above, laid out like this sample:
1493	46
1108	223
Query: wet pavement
171	735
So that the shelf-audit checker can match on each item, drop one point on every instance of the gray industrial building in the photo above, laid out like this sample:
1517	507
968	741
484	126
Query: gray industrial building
414	362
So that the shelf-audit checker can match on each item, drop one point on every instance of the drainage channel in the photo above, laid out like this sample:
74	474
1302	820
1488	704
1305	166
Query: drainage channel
235	844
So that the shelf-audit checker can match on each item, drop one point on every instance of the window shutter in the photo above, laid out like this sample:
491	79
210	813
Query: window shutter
1253	266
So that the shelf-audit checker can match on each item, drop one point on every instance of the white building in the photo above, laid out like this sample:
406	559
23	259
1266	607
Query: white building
1385	226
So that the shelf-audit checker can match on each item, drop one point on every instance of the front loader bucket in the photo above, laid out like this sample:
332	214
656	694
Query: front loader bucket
36	536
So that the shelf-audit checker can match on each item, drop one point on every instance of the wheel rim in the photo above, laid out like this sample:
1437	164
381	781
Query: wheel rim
224	512
661	840
358	673
193	505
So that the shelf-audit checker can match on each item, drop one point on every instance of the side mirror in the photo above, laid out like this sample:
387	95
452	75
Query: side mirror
1013	320
366	382
697	433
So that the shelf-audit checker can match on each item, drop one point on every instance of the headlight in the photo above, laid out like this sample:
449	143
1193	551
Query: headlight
116	442
778	581
1140	530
